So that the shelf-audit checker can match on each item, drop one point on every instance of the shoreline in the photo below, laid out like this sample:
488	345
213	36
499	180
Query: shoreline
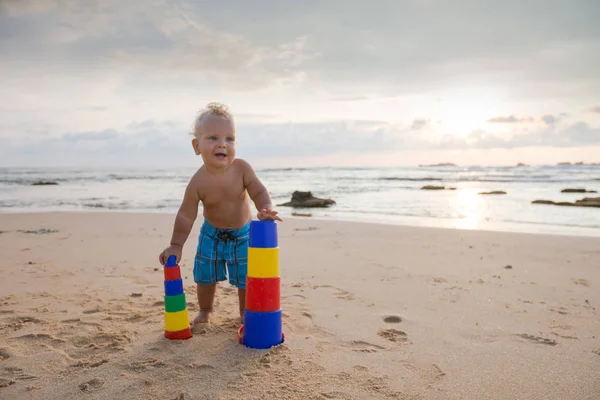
400	221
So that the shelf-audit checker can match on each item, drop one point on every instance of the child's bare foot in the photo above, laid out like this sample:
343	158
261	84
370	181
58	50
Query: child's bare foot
203	317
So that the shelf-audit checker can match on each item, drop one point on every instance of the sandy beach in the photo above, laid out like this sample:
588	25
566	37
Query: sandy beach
369	311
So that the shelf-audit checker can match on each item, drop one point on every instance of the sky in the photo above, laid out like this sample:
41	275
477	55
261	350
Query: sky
310	83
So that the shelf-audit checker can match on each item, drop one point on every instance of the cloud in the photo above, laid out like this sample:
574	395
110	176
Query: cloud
419	123
140	41
162	142
511	119
105	135
94	108
150	125
595	110
549	119
404	45
574	135
118	76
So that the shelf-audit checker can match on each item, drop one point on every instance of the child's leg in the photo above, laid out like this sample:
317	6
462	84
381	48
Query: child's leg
237	264
209	269
242	298
206	298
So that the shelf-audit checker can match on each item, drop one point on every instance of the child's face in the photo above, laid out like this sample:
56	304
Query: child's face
215	141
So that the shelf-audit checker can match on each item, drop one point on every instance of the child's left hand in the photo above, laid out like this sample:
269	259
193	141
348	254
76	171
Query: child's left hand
265	214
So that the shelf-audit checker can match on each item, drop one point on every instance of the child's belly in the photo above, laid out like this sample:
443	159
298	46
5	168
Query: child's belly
228	214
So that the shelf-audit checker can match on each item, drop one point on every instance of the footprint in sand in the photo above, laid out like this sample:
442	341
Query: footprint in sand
4	382
365	347
537	339
15	374
582	282
558	326
299	296
332	395
201	367
393	335
392	319
596	352
228	290
562	335
89	363
139	366
19	322
310	228
41	339
560	310
91	385
4	354
339	293
115	341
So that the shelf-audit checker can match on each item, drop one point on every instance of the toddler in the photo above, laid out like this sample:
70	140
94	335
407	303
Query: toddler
224	185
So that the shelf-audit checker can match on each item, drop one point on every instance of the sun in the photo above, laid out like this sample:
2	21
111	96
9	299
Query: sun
461	114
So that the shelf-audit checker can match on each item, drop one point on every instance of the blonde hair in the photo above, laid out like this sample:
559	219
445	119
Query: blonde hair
212	109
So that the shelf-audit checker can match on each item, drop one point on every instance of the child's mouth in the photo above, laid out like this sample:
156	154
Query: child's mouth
220	156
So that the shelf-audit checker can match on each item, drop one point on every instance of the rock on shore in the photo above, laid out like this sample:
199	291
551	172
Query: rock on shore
307	200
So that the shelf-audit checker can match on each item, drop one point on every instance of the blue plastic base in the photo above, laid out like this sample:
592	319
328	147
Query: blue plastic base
261	330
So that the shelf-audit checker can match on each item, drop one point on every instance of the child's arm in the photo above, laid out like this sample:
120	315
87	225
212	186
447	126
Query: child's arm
258	193
188	211
184	221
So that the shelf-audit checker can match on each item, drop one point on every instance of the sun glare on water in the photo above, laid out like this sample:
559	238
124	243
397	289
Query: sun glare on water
468	205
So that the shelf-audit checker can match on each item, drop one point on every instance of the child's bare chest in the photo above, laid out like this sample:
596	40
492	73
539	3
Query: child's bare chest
225	191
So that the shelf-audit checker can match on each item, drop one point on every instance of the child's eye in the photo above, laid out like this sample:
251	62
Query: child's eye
212	138
230	139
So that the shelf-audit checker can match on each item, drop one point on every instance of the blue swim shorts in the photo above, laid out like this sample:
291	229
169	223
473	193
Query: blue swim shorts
220	251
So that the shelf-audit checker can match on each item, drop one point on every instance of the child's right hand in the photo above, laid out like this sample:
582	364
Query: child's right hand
172	250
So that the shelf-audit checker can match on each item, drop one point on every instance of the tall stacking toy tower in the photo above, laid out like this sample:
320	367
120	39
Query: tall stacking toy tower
262	327
177	323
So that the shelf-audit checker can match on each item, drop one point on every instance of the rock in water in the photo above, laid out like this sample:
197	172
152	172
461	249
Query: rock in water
588	202
44	183
577	190
306	200
433	187
585	202
494	192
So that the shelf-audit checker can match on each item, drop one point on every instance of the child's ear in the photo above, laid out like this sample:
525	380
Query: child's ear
196	146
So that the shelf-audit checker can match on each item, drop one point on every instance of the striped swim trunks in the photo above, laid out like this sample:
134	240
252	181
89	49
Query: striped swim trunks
222	252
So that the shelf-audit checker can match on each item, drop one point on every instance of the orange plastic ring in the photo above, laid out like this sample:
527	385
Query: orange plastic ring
240	334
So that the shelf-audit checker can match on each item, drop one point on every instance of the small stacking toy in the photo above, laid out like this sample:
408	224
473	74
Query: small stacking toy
262	327
177	323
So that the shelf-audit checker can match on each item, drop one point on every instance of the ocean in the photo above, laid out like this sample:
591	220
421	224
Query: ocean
382	195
